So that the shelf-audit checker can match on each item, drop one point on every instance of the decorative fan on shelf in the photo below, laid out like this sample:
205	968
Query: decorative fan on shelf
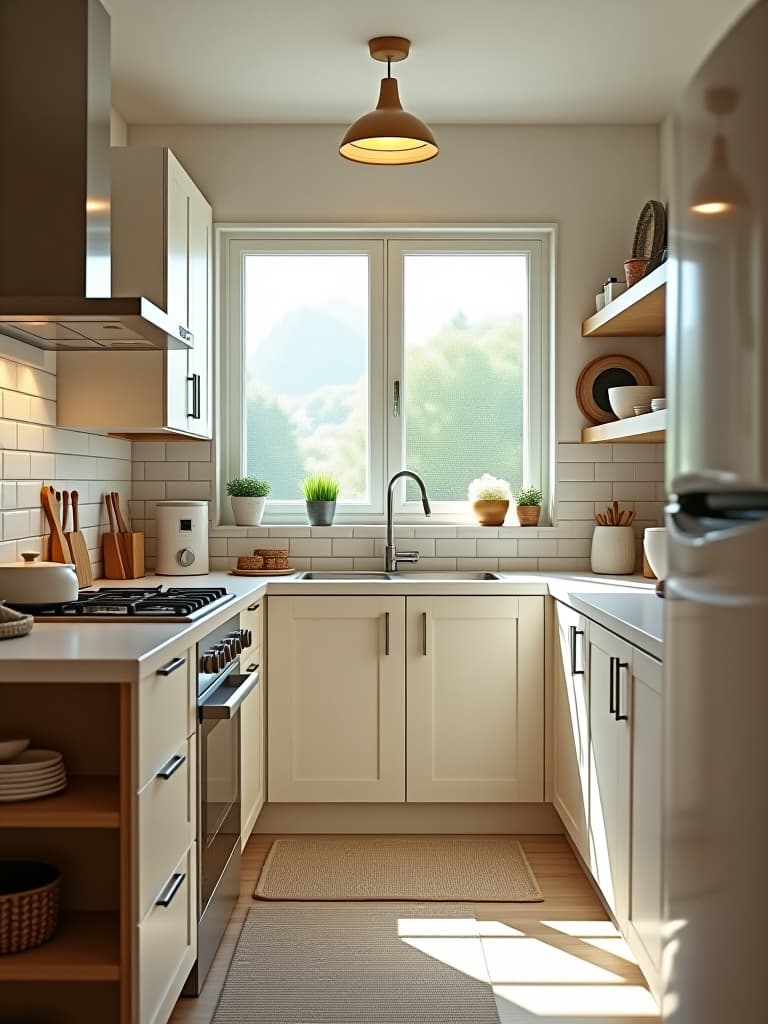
650	239
601	374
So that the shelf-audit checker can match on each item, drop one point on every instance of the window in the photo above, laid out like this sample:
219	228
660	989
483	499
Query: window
359	356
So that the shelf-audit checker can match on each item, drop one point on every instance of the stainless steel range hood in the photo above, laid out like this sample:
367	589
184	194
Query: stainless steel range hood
55	268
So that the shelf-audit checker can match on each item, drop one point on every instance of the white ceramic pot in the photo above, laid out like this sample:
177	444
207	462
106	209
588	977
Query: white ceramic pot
613	550
248	511
655	547
33	582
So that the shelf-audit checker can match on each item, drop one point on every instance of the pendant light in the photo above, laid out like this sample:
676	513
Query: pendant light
389	134
718	190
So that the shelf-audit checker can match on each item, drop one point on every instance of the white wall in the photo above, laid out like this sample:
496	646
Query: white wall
591	180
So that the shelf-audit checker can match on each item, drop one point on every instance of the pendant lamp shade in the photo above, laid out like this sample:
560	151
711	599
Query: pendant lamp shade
718	190
388	135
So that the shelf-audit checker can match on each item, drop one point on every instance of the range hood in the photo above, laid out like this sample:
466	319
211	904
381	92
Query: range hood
55	267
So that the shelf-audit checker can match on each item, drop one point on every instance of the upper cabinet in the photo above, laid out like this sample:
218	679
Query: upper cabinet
161	248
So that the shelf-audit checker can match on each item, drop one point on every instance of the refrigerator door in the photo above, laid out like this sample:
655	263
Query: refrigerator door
716	769
717	293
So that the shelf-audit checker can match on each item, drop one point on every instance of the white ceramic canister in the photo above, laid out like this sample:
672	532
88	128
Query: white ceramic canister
655	547
613	550
32	582
182	538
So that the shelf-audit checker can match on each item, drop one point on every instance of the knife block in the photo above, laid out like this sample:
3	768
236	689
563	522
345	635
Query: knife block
123	555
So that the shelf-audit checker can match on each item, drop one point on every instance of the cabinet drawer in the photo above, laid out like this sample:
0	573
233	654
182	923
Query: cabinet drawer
166	713
252	618
166	822
168	943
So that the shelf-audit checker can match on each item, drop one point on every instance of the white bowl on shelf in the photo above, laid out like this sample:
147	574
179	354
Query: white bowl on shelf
623	400
10	748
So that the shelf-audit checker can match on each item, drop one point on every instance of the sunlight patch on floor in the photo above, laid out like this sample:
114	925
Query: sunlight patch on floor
408	926
584	929
571	1002
463	954
525	961
616	947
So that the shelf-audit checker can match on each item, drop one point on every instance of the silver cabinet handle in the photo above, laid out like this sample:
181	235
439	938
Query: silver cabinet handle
617	714
396	398
171	766
171	667
424	632
253	607
173	886
386	633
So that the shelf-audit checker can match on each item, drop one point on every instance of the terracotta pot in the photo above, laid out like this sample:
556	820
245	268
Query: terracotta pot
528	515
634	269
490	512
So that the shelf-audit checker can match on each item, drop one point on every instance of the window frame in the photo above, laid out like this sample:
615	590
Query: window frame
235	241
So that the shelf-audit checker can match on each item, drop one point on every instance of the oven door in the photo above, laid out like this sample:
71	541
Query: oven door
219	736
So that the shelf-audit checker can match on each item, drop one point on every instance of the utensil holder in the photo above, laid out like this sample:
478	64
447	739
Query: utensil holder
123	563
613	550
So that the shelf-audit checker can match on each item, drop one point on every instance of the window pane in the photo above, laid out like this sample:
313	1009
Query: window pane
465	330
306	367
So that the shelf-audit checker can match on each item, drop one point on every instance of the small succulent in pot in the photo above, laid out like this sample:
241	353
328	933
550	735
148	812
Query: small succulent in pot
490	498
320	492
528	506
248	496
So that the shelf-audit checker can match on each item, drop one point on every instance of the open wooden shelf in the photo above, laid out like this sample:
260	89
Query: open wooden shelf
637	312
652	426
89	801
86	947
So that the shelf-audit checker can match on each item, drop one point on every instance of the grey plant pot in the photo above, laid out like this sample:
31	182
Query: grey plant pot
321	513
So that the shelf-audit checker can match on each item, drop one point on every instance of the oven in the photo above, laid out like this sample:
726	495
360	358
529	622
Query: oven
222	686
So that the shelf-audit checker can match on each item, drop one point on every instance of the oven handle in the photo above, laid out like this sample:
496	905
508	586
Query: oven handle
227	698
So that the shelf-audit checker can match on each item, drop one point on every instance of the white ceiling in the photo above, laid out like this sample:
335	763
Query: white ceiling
472	61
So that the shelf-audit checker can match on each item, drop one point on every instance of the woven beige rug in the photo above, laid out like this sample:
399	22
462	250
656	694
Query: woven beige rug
334	964
474	868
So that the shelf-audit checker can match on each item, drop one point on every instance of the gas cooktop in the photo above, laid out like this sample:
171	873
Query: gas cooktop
134	604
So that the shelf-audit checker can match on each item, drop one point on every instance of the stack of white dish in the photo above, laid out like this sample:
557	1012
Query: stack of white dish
32	774
657	404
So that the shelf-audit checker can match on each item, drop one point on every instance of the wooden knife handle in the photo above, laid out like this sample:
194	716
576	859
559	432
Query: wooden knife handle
65	510
119	515
110	513
75	513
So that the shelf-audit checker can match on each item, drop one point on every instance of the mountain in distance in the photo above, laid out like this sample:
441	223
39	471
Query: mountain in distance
306	350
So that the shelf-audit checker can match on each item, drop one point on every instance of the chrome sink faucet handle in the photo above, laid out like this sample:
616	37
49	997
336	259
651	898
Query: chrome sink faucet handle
392	555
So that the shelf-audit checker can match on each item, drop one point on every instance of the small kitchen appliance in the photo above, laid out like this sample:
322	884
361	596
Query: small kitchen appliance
182	538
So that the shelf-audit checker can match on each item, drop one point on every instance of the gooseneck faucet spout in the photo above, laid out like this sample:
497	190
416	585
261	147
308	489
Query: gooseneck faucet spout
393	556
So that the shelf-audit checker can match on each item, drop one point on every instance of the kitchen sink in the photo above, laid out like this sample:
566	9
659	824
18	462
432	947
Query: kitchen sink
427	574
349	577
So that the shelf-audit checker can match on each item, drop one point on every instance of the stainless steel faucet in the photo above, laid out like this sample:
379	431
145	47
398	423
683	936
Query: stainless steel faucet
392	555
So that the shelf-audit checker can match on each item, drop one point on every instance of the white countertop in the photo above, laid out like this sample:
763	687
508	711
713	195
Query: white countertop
123	652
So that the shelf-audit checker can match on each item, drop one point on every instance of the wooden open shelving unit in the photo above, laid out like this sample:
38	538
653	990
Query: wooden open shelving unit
86	947
651	427
639	312
89	801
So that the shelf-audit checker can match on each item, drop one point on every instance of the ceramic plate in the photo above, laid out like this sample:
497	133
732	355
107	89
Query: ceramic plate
601	374
31	760
6	798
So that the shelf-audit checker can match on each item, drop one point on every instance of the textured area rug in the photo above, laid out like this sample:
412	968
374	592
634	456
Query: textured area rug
332	964
473	868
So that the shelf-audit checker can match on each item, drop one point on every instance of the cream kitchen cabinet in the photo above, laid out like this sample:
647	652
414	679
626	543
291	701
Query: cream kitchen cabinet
336	699
570	703
252	739
338	705
161	248
475	706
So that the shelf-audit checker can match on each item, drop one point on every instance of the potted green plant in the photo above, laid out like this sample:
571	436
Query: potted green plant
489	497
248	496
320	492
528	506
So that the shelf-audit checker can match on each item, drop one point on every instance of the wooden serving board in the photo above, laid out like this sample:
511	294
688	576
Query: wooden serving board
262	572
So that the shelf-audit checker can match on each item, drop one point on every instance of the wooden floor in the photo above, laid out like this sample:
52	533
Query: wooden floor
557	962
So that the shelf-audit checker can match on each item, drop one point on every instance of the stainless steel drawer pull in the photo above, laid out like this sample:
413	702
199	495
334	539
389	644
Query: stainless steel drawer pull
424	631
386	632
166	670
173	886
254	607
172	766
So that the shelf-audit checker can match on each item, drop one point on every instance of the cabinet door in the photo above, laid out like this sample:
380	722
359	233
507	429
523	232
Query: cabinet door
177	241
251	760
200	284
610	687
475	699
647	741
570	761
336	699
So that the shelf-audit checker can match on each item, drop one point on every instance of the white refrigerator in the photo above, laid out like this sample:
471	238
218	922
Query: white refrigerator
716	657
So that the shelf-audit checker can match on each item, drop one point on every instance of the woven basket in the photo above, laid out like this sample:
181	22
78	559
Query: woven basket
29	904
14	623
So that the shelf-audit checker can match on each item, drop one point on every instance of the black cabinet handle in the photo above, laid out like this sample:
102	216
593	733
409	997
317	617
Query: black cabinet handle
386	633
253	607
251	668
173	886
172	766
612	662
574	633
424	634
619	666
166	670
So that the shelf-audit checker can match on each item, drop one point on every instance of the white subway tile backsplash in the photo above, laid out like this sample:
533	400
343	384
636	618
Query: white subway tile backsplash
76	465
334	532
478	532
336	564
166	470
567	452
16	465
575	510
16	406
30	437
578	471
190	490
371	531
42	466
153	490
8	374
640	452
634	491
584	491
290	531
41	410
310	548
201	470
16	524
615	470
64	442
537	548
359	547
574	548
563	564
149	451
456	548
499	548
477	564
649	471
8	434
32	381
188	451
518	564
